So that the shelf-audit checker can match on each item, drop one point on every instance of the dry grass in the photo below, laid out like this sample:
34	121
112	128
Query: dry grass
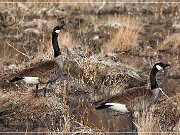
19	102
7	52
171	44
20	105
147	123
66	40
162	117
168	112
131	23
123	40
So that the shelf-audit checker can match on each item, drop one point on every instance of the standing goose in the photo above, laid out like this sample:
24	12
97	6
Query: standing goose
135	99
47	71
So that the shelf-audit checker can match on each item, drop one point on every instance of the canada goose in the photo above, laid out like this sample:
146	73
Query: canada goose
135	99
47	71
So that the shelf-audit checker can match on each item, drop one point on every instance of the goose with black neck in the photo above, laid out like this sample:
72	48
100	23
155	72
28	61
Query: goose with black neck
135	99
44	72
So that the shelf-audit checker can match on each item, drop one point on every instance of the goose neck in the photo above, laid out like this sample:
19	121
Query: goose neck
153	80
55	44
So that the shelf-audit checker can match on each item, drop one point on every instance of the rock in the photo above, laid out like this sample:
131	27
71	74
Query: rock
176	26
7	18
32	30
22	6
146	9
39	23
53	12
12	67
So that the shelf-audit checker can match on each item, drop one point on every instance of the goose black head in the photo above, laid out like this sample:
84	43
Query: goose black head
157	67
160	66
59	27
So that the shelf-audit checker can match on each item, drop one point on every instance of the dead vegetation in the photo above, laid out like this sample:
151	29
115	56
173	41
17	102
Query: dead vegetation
171	44
99	60
124	40
163	117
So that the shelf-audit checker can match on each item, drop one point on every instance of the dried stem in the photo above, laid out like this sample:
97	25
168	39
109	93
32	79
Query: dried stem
18	50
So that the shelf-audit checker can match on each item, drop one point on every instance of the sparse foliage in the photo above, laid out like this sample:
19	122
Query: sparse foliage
88	74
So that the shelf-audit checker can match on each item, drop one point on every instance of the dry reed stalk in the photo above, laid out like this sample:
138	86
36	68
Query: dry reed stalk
147	123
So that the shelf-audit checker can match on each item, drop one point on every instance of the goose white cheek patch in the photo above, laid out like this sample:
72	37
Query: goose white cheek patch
57	31
159	67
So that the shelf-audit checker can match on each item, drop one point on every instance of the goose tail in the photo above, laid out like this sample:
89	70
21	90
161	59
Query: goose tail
102	106
16	79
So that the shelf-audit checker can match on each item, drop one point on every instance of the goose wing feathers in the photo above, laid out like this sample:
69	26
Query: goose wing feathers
133	99
44	70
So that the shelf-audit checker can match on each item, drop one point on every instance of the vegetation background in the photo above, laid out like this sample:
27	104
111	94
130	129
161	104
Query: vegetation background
108	46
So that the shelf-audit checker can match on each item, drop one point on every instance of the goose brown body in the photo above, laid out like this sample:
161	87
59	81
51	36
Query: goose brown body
135	99
46	71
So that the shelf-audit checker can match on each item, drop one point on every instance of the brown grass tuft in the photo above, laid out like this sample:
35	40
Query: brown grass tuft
65	39
161	118
171	44
133	24
147	123
123	40
168	112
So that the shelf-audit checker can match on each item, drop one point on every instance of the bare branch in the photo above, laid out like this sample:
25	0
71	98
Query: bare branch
17	50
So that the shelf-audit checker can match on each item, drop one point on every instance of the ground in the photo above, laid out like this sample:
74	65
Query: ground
107	48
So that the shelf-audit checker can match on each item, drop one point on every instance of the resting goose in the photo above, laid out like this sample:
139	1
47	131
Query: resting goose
135	99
